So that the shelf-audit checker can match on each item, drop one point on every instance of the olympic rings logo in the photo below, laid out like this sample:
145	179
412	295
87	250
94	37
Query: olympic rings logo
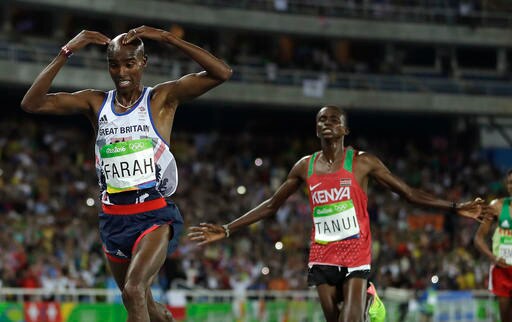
137	146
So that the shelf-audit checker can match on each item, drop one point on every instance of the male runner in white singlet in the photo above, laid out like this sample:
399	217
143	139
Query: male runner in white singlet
135	167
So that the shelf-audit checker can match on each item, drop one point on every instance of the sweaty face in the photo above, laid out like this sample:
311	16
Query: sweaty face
330	123
125	65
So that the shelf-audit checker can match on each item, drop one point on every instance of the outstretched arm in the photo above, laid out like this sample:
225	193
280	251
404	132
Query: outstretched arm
483	232
208	233
190	86
37	99
381	173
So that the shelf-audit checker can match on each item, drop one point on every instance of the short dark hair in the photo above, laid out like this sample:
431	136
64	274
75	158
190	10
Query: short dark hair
340	110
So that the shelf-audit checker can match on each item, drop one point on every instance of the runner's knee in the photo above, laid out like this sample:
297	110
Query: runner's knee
134	293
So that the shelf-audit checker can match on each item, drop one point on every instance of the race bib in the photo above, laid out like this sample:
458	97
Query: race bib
335	222
128	165
505	249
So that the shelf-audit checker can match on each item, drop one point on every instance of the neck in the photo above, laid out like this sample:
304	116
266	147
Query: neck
332	150
125	102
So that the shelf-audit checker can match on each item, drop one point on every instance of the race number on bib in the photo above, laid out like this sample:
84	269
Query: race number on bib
129	165
505	249
335	222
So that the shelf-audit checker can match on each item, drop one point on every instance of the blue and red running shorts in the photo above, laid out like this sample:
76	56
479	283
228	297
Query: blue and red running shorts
121	232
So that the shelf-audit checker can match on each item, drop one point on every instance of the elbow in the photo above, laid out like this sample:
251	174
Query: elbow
478	241
409	197
415	196
28	106
226	74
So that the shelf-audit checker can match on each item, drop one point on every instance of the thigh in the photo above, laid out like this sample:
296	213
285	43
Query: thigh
118	270
354	294
329	299
505	308
148	256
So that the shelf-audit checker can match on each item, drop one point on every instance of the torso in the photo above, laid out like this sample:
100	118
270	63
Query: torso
162	112
116	134
502	238
341	233
360	172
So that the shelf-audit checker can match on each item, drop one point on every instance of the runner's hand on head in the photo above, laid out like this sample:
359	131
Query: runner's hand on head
142	32
206	233
472	209
147	32
86	37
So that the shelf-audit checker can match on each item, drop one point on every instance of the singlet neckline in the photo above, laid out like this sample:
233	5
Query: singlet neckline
134	106
317	154
505	210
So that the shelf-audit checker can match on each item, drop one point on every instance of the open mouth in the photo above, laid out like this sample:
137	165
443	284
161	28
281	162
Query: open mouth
124	83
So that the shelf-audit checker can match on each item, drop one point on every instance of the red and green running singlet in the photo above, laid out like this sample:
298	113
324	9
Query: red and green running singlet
341	228
502	238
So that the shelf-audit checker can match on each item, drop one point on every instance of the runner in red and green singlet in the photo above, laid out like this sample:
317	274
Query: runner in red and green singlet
337	178
341	234
500	275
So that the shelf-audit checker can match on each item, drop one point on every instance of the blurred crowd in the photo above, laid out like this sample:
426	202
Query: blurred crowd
48	186
313	64
48	207
257	48
470	13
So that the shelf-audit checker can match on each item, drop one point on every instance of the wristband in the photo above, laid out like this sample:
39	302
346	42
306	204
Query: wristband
226	230
66	51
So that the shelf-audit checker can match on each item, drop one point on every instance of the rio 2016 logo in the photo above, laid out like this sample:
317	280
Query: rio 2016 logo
115	149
